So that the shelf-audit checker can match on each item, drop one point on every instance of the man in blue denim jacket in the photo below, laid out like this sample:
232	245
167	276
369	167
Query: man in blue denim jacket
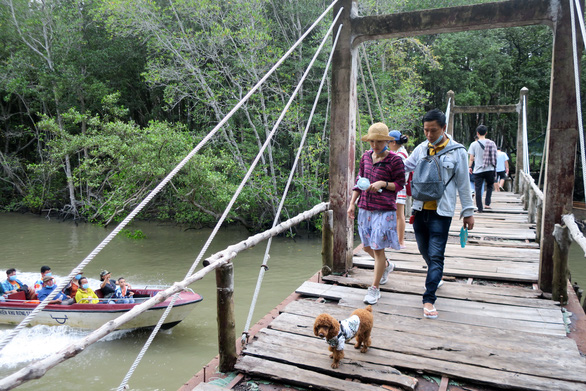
432	219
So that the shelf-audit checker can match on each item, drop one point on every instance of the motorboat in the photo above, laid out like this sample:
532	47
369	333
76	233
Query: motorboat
93	316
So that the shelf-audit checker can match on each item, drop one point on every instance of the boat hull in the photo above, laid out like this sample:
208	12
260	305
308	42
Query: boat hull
93	316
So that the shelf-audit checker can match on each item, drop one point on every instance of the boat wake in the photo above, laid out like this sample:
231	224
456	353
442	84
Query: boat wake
38	342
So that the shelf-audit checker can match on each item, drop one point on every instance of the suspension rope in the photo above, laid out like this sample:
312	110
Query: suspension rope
380	109
365	90
525	142
26	321
577	85
226	211
264	267
448	111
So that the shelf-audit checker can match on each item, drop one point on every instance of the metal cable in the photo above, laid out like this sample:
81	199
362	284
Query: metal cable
292	173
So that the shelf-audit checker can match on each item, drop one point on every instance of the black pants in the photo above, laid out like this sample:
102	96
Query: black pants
479	179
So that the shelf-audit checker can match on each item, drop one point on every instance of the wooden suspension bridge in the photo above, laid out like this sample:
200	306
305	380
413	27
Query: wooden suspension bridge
498	326
496	329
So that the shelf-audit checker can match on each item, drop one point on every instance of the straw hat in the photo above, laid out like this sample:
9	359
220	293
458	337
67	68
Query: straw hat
378	131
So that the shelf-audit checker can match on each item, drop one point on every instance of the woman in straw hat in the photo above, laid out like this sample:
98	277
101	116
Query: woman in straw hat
377	219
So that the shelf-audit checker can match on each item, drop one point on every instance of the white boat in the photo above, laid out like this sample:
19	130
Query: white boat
92	316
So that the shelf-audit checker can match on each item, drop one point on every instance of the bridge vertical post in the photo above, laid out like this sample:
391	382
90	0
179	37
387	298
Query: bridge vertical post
451	95
343	137
561	250
519	155
538	219
562	137
226	322
327	240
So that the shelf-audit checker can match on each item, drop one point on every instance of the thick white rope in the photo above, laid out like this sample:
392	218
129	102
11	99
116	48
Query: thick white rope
525	141
263	267
577	84
26	321
380	109
226	211
448	111
123	386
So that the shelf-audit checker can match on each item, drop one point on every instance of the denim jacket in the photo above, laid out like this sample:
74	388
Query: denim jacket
456	159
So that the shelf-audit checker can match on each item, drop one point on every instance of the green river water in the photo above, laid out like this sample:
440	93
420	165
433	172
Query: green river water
163	257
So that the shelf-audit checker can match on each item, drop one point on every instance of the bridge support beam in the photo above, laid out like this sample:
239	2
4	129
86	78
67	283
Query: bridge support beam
343	138
562	137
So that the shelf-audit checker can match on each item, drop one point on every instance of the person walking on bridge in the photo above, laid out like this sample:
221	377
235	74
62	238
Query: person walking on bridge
483	155
377	218
432	219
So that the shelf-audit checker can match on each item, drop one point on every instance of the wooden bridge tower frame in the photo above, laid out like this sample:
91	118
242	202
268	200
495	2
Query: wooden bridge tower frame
562	123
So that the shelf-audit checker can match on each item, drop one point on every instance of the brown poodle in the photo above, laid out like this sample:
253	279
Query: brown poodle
359	324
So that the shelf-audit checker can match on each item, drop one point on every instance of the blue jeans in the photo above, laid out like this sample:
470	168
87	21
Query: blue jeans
431	233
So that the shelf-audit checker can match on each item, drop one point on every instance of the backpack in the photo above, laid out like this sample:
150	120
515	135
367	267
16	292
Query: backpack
428	184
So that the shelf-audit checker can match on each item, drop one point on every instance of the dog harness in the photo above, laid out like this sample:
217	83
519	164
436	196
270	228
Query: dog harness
348	329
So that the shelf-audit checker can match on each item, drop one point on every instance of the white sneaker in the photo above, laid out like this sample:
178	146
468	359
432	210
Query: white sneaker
385	277
438	285
372	295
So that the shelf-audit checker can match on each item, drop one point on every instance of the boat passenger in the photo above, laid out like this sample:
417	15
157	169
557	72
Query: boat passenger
45	271
71	288
85	294
48	287
108	285
13	285
123	294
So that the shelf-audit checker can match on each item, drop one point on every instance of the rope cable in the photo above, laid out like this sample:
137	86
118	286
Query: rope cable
365	90
292	173
448	111
225	213
525	142
577	85
380	109
26	321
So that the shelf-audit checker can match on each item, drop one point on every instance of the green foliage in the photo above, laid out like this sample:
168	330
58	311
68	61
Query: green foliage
136	234
101	100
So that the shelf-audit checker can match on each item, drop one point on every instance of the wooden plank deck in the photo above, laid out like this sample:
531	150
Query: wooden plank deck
494	331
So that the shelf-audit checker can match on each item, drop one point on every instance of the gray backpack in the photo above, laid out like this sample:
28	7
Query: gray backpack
428	184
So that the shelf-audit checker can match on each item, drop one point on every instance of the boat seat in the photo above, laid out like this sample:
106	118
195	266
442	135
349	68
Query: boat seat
99	293
17	296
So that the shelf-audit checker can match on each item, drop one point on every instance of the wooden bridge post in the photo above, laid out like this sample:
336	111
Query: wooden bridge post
327	240
562	137
519	154
526	195
343	137
226	322
531	206
451	95
538	219
561	249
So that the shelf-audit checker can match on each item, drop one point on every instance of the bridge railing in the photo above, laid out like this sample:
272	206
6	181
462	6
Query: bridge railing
532	198
563	234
